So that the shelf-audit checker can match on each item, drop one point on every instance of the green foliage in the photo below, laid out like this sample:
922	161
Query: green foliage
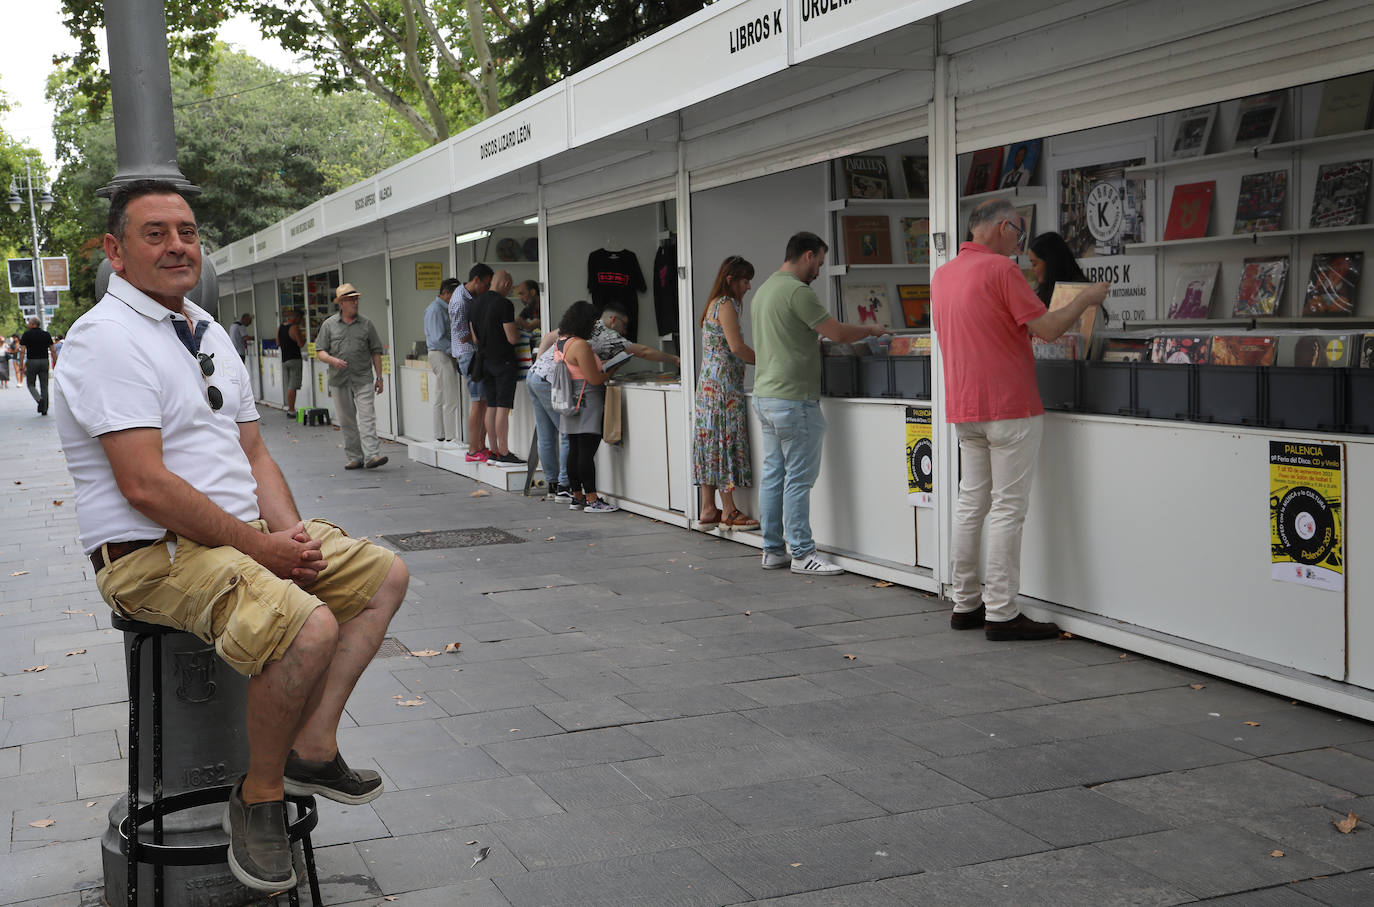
15	229
260	147
562	37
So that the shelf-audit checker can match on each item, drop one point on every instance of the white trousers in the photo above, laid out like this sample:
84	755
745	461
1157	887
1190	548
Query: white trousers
443	394
997	460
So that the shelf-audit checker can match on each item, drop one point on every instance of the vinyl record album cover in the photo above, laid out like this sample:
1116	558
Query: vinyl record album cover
1332	285
1176	350
1261	286
868	304
916	240
983	171
1193	290
1259	209
915	302
916	171
1242	349
867	240
866	176
1341	194
1020	166
1345	104
1258	118
1190	210
1192	132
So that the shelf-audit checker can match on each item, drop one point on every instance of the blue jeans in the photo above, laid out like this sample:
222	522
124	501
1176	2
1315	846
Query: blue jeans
793	431
553	444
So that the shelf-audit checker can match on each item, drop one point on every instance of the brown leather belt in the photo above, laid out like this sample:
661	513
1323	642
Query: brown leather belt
118	550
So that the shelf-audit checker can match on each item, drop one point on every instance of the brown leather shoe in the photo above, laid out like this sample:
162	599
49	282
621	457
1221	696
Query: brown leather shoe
354	464
1020	627
375	462
968	620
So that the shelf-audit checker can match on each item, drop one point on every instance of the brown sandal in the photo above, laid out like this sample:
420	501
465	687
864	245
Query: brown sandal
740	520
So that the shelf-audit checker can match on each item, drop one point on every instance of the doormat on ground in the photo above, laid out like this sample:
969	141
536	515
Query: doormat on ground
451	538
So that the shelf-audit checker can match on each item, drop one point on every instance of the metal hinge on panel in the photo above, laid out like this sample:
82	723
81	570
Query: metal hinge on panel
682	272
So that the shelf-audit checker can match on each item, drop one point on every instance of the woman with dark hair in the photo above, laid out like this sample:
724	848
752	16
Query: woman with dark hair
583	427
720	455
1052	261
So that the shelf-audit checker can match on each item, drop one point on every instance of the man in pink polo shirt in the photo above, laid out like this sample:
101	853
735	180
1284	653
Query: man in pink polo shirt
984	316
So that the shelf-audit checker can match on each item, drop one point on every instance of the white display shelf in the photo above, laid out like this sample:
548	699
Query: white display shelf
1254	152
859	204
1257	239
1027	192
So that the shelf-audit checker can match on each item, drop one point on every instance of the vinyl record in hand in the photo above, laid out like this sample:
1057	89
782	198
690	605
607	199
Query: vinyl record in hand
1306	526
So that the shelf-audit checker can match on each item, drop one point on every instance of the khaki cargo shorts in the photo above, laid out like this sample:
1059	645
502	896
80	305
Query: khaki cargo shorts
226	598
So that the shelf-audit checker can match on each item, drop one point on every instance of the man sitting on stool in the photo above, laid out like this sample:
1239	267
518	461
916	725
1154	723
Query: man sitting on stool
189	524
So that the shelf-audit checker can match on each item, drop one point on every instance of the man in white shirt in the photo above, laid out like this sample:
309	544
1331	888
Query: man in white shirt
239	336
163	447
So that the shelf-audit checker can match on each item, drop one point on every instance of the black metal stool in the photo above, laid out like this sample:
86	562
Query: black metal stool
155	852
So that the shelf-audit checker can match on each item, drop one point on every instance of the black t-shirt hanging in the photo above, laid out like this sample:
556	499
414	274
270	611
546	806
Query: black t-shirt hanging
665	288
614	278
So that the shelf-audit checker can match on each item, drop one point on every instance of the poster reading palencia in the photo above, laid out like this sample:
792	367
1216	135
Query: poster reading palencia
1306	521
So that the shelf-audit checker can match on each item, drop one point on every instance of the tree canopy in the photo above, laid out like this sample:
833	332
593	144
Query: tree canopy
260	146
15	230
440	65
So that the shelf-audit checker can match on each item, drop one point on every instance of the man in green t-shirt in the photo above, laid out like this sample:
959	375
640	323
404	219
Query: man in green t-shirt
787	317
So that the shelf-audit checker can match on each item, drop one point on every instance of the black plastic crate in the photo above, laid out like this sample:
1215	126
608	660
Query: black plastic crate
911	377
875	376
840	376
1311	398
1107	388
1230	394
1058	382
1359	400
1165	391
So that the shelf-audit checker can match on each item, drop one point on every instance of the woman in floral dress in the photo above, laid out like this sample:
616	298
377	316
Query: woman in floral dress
720	456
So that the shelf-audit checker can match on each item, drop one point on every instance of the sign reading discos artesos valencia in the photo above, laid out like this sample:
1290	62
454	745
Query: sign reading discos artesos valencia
1306	519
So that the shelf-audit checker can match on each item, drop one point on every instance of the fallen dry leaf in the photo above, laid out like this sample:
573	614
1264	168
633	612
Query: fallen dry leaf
43	823
591	544
77	611
453	647
90	804
1252	724
1275	853
882	584
1347	825
1123	654
410	703
851	657
470	843
551	538
1066	635
35	669
76	652
1197	686
480	493
57	503
390	897
481	855
20	573
425	653
795	865
514	730
748	613
399	696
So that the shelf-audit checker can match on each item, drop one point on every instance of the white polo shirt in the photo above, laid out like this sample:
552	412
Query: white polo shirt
123	367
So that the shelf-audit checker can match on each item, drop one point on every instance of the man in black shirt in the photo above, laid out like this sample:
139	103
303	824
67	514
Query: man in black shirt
38	344
289	342
492	321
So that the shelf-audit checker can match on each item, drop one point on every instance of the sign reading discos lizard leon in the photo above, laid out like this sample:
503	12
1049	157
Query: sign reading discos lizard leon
528	132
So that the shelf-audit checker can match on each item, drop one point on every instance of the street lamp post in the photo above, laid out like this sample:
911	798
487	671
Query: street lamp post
45	202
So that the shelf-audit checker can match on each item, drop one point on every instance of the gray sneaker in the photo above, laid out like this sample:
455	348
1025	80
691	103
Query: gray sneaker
333	780
259	853
775	560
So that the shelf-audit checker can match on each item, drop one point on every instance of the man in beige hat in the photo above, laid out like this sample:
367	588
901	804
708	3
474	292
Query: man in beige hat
349	345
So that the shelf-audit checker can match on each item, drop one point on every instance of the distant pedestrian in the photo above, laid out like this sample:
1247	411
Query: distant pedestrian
17	357
349	345
443	370
4	363
289	343
37	344
239	336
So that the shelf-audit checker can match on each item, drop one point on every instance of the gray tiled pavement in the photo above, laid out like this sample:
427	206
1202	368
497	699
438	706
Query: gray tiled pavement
639	715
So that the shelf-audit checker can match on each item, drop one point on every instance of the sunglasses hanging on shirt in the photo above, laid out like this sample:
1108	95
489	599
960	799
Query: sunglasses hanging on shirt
213	395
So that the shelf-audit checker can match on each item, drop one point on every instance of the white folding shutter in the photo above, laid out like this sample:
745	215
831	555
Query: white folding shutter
617	200
1263	51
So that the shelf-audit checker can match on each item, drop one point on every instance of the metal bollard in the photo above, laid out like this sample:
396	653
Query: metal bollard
204	744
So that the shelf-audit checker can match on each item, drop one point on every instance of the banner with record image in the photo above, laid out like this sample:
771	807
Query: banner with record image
1306	524
920	457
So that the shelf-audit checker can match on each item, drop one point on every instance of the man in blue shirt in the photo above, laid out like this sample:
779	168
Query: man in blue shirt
443	370
479	281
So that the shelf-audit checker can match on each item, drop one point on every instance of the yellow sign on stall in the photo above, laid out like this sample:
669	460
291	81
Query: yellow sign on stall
1306	522
920	457
310	350
424	387
428	275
